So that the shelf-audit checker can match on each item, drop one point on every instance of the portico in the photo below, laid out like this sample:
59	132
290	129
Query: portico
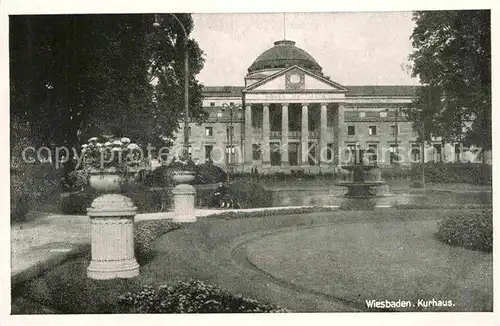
291	118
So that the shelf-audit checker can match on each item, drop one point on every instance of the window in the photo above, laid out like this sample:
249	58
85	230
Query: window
437	157
393	154
415	153
458	152
275	154
230	131
209	131
311	157
230	152
372	130
189	131
351	153
212	103
330	118
350	130
208	152
394	130
329	151
256	150
372	153
293	151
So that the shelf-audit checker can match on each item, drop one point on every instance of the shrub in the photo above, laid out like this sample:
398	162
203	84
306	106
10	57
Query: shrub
454	172
471	230
77	202
19	206
190	297
33	185
416	184
248	194
146	200
160	177
208	173
75	180
205	194
357	204
146	232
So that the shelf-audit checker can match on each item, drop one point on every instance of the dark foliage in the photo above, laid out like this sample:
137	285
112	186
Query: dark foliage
191	296
91	74
452	59
471	230
247	194
209	173
454	173
33	186
147	201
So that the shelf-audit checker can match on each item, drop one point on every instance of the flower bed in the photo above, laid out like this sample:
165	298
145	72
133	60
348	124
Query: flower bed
231	215
191	296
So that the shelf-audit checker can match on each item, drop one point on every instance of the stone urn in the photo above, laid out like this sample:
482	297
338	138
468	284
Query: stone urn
183	176
105	180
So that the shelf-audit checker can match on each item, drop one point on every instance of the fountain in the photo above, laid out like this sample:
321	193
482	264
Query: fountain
365	183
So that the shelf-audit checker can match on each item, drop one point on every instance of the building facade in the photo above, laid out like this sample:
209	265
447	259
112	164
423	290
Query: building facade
290	116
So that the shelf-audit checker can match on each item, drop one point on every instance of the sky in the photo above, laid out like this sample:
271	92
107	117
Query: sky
358	48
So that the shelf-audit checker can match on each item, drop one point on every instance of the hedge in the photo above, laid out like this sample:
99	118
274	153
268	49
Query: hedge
471	230
146	200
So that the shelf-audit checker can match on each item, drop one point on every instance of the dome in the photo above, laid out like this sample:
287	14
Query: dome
284	54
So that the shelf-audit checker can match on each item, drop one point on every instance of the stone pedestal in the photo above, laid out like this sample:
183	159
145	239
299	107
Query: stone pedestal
112	238
184	203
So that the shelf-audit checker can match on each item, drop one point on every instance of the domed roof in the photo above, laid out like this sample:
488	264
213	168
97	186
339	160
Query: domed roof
284	54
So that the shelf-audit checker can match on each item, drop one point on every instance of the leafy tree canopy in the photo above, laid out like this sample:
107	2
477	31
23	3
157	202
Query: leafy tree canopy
77	76
452	58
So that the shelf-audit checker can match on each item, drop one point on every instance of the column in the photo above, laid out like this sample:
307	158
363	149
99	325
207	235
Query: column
323	135
248	164
340	131
266	132
284	135
304	136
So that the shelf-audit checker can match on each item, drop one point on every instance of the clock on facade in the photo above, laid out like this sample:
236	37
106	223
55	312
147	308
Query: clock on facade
295	81
294	78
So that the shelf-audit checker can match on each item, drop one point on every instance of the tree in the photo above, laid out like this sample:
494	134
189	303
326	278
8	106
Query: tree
452	58
77	76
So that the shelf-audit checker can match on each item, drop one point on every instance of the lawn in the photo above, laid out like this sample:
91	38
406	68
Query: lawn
378	261
322	262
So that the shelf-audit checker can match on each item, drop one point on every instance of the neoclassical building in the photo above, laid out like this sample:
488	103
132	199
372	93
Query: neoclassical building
290	116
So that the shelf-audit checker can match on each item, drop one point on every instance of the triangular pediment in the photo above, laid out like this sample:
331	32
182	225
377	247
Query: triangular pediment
295	79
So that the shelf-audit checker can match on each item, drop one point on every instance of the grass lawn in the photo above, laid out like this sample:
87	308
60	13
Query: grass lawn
304	262
379	261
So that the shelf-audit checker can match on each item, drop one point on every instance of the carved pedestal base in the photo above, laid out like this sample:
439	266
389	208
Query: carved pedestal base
184	203
112	238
